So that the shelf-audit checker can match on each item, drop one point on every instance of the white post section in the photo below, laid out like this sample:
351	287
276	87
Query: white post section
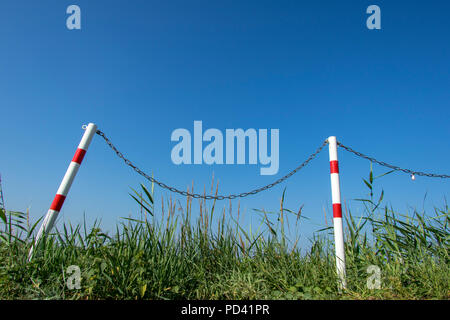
65	185
337	212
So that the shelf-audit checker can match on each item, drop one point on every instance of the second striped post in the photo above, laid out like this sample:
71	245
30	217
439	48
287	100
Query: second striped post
337	212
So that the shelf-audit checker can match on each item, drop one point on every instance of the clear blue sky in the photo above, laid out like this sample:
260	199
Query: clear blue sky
141	69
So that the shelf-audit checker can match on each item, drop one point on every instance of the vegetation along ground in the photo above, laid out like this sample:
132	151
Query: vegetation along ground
212	256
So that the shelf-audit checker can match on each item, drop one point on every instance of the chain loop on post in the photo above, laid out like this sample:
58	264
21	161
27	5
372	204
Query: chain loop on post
208	197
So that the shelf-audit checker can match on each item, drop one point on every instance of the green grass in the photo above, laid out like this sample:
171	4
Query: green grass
213	257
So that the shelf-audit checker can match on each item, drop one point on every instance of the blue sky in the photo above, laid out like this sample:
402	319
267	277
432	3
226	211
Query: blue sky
142	69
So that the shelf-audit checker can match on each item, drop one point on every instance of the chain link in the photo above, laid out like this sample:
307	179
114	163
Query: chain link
381	163
208	197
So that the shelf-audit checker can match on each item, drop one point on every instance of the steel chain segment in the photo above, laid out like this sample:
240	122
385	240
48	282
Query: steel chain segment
208	197
384	164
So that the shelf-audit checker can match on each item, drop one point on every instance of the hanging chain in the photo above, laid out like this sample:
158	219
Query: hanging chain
208	197
381	163
255	191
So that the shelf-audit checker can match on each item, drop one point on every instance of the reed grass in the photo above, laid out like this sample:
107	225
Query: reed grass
170	255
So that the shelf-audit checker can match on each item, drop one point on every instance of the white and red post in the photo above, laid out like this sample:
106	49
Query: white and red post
65	185
337	212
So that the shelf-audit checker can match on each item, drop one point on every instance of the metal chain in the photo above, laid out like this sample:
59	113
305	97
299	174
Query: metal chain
411	172
208	197
255	191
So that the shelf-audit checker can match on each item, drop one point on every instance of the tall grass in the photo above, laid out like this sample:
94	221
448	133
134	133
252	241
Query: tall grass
213	257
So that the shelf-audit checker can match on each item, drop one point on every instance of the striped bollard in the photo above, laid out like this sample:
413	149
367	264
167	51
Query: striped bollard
337	212
65	185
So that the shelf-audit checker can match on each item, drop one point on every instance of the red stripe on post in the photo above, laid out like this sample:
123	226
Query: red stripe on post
337	210
57	202
334	167
79	155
